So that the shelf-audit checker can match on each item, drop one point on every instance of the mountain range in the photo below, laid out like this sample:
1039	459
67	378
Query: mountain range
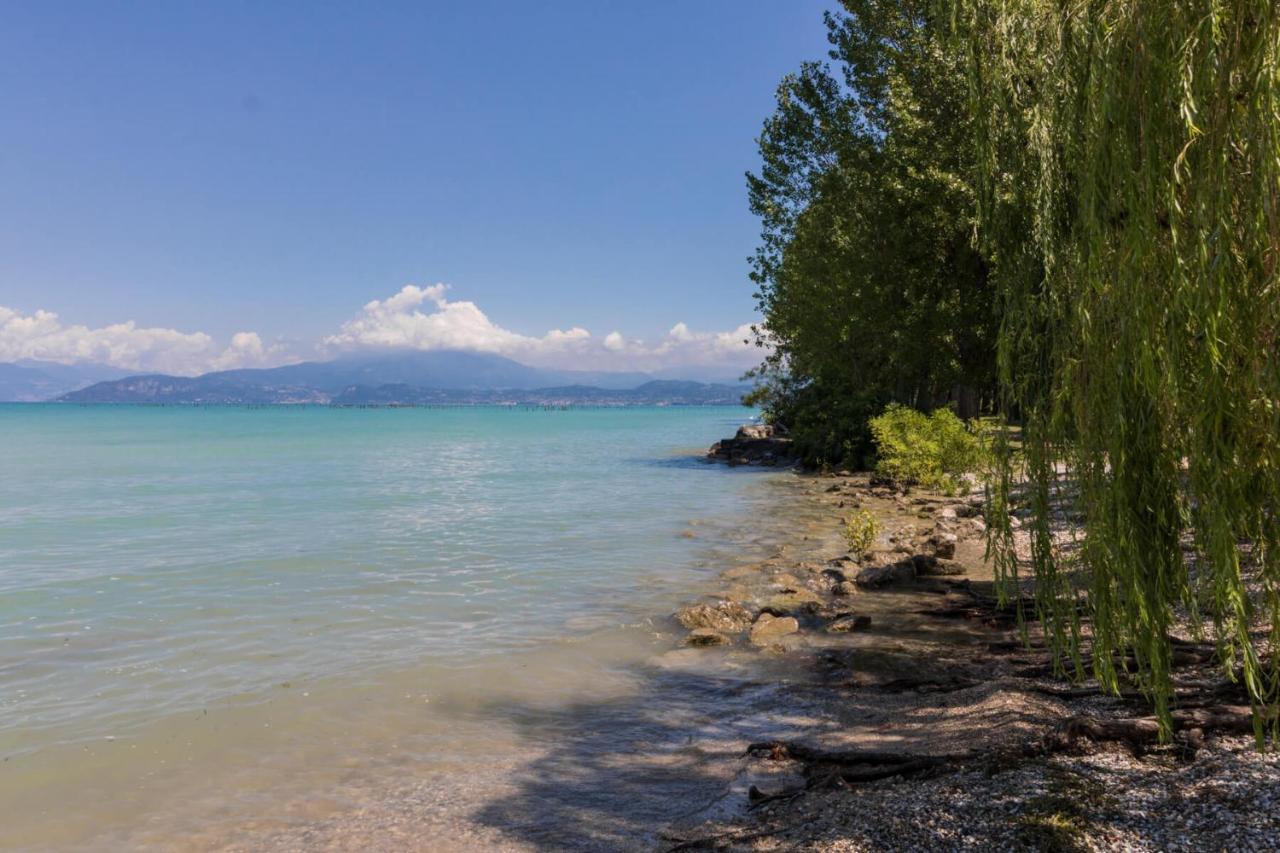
400	378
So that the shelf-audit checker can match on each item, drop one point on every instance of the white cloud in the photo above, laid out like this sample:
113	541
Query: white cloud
413	318
422	318
43	336
399	322
247	350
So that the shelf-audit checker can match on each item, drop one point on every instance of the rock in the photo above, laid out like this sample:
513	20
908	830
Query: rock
705	637
928	564
740	572
757	431
903	571
943	545
947	567
845	588
925	563
800	601
946	513
967	510
769	628
726	616
754	444
788	582
845	624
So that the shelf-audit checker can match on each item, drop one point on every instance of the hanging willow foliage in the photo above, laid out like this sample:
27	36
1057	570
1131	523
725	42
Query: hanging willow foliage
1129	158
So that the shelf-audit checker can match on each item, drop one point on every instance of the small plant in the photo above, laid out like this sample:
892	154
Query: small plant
860	532
934	451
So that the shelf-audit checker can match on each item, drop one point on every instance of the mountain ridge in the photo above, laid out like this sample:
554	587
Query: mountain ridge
417	378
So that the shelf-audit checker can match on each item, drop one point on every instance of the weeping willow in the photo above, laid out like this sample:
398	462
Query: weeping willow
1129	159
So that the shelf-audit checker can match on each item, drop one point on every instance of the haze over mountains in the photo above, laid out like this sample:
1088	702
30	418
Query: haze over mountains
30	381
390	378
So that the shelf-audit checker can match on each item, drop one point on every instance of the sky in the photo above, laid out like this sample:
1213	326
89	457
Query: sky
195	186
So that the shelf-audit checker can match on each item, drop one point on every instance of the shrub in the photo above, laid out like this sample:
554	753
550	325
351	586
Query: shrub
934	451
860	532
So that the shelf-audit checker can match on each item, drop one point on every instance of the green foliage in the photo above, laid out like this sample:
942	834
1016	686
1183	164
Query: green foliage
1129	163
870	284
860	532
934	451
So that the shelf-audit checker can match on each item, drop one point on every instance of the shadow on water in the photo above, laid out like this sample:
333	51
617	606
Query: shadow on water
699	462
615	774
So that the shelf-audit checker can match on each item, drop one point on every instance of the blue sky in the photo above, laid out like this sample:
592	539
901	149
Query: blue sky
224	168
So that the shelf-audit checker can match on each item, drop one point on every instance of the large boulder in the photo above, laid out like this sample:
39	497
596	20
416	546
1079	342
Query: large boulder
728	617
754	444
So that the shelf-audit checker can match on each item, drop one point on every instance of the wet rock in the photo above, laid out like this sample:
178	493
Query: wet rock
788	582
845	624
943	545
740	572
705	637
725	616
835	576
800	601
845	588
768	628
903	571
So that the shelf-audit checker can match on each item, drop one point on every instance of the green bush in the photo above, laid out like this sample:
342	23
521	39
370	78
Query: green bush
860	532
934	451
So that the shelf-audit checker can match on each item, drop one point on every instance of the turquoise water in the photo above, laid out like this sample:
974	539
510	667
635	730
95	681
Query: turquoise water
157	561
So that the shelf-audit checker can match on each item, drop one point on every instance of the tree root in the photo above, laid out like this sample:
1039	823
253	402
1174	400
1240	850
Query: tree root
1190	725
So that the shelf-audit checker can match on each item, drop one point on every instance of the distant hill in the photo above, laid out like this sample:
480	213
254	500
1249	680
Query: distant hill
650	393
415	378
30	381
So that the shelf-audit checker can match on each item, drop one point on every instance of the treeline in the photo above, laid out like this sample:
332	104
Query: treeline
1067	214
870	279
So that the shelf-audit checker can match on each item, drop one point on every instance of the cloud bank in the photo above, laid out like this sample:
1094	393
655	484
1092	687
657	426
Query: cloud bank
400	321
43	336
419	318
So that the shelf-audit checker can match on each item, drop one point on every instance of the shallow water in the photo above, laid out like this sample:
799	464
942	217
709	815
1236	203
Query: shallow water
216	624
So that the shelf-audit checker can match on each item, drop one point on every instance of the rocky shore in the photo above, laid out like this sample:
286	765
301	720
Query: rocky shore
947	732
754	444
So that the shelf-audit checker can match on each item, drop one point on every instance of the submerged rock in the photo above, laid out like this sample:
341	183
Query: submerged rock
845	624
769	629
725	616
705	637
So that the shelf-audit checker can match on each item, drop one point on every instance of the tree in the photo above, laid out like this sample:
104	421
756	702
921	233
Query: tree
1129	162
869	280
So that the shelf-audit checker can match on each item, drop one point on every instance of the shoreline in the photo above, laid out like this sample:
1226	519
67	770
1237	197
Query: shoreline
950	732
663	759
